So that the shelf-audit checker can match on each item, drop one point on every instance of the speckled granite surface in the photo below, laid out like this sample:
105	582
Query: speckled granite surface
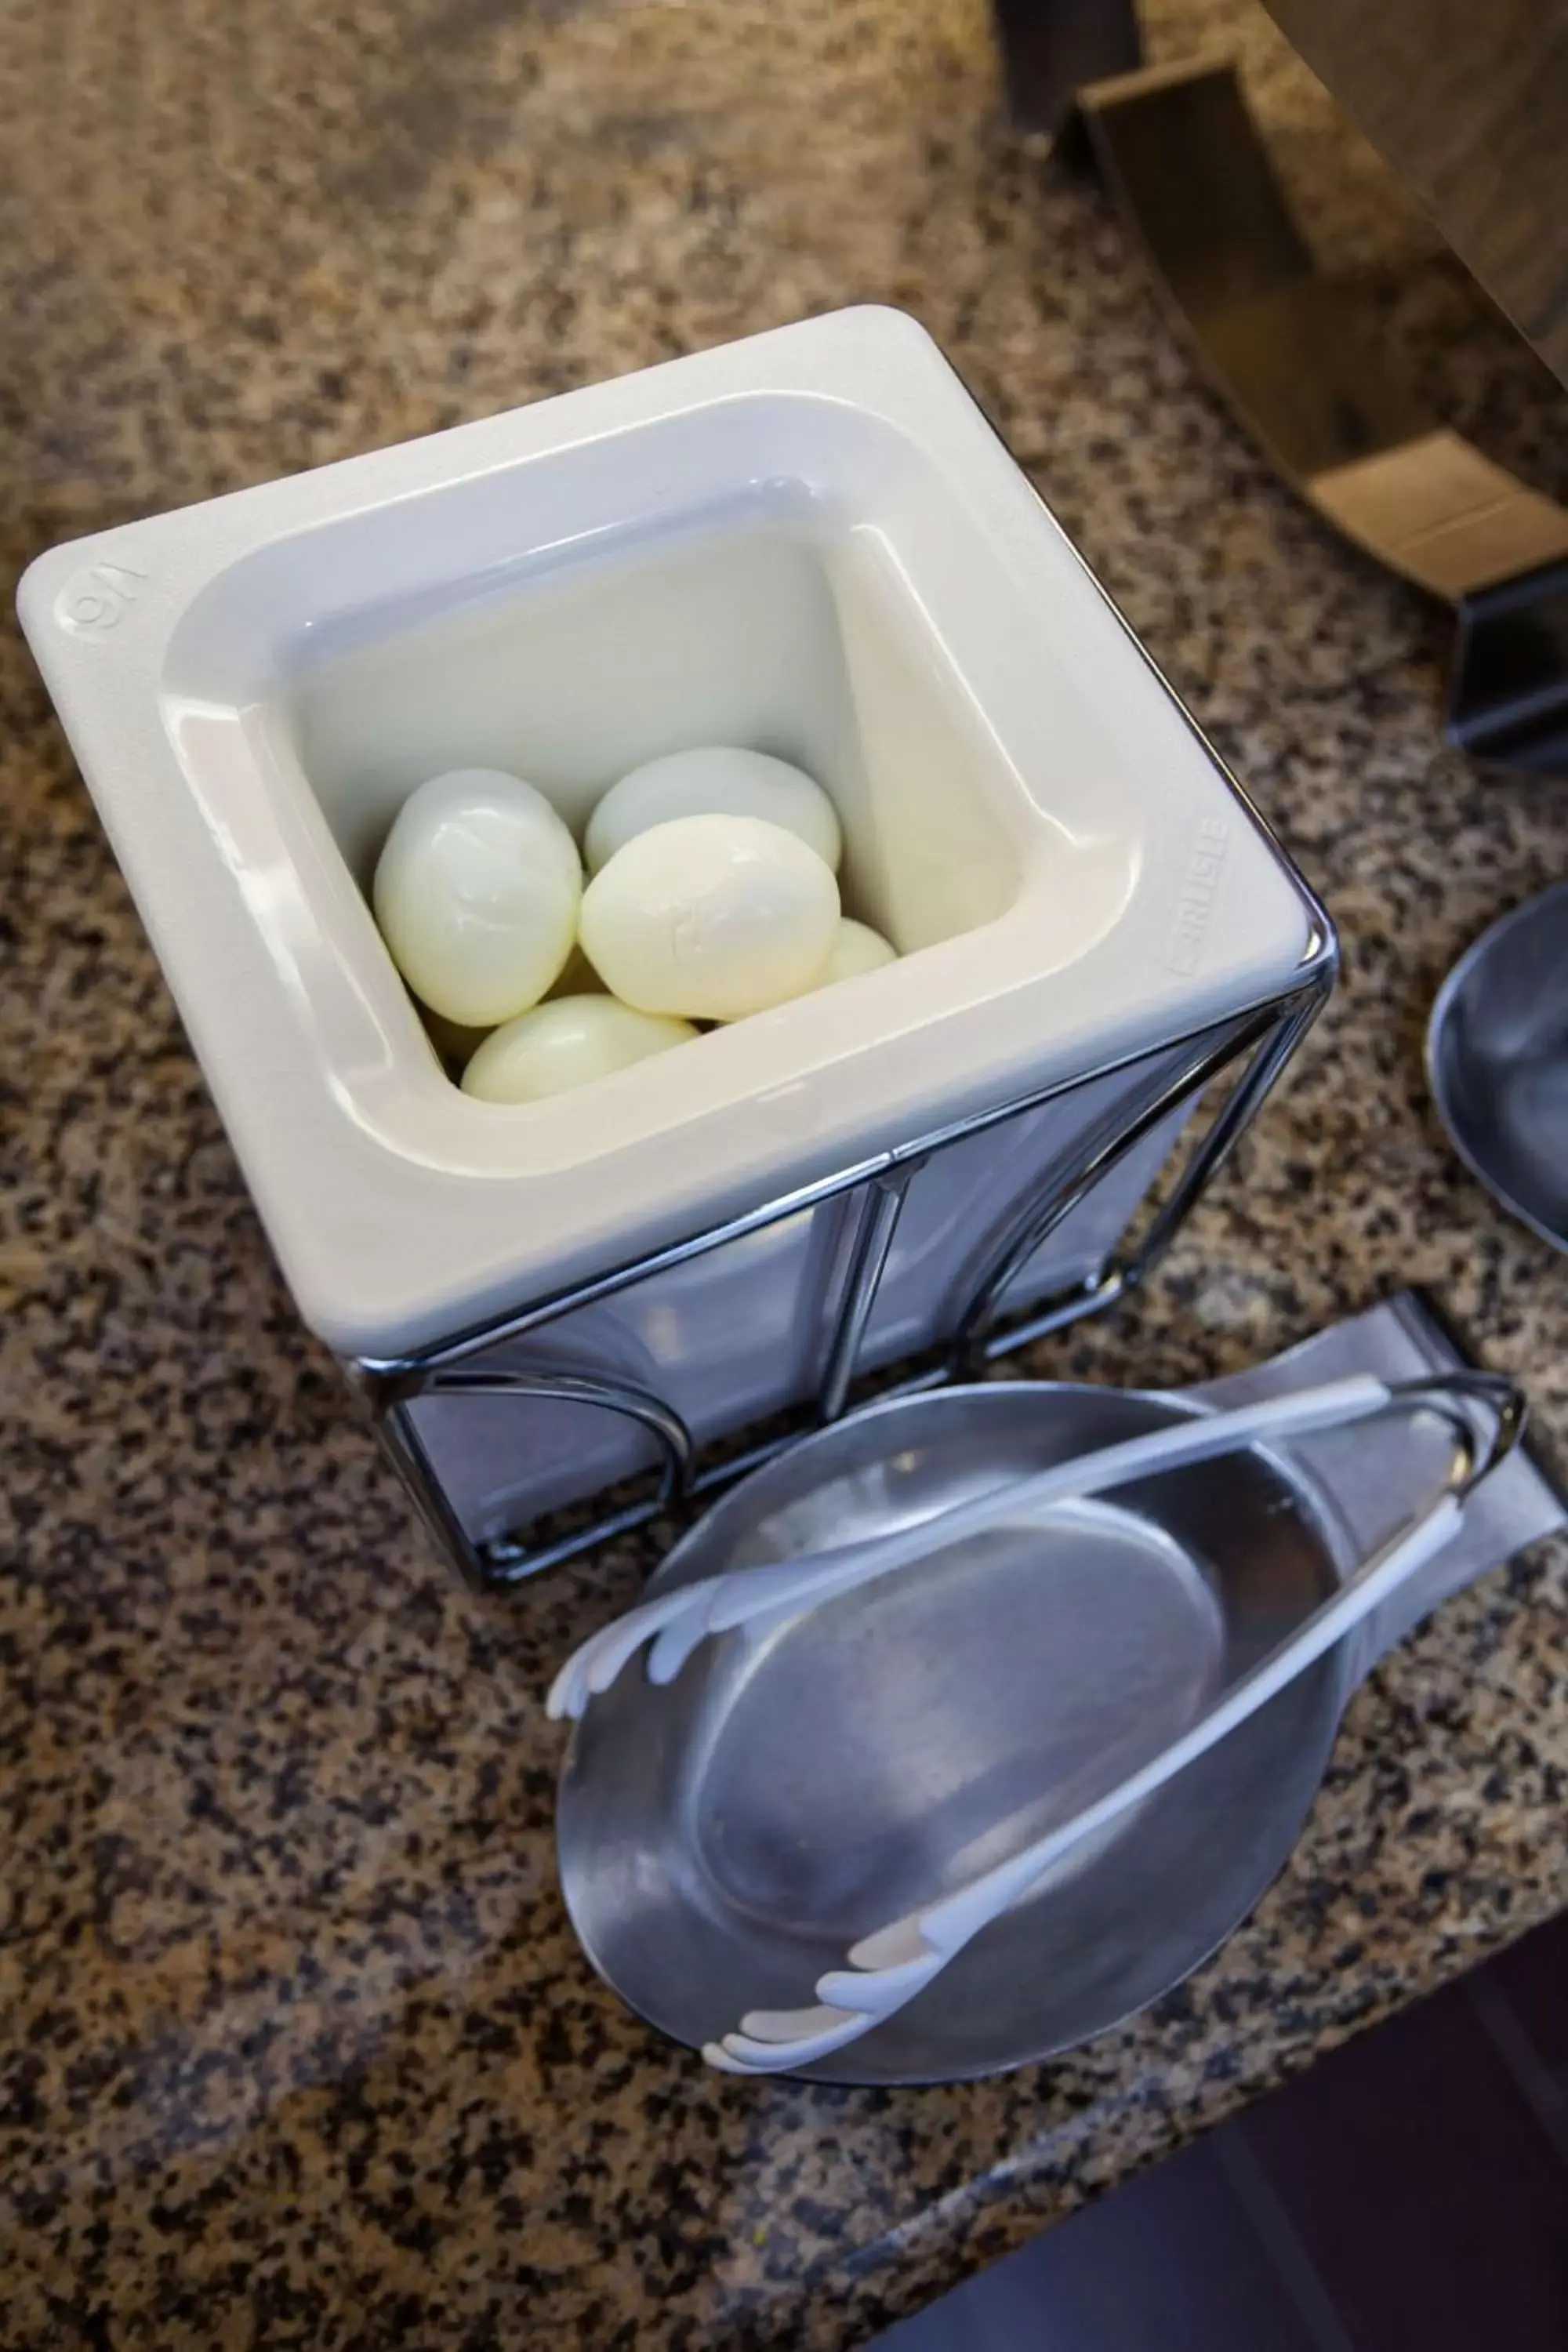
297	2049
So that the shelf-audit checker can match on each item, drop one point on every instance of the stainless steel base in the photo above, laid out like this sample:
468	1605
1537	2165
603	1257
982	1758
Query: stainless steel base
724	1840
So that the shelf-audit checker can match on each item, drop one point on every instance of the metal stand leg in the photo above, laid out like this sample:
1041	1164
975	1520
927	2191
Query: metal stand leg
1051	47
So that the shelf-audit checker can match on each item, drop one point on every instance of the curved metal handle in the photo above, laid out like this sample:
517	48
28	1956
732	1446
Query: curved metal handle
1502	1399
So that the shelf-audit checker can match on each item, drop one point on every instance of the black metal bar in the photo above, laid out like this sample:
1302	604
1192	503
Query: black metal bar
1507	680
1050	48
1075	1183
881	1202
415	1468
1237	1115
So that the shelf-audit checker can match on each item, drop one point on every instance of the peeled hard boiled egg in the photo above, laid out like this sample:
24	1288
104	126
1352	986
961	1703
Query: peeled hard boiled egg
857	948
719	781
477	894
711	916
566	1042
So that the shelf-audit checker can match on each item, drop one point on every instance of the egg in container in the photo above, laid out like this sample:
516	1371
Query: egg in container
808	545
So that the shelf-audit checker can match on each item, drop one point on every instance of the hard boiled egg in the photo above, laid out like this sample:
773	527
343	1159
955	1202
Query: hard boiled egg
711	916
719	779
567	1042
477	894
857	948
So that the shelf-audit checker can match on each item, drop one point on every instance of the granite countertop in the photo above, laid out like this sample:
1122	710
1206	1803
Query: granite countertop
299	2050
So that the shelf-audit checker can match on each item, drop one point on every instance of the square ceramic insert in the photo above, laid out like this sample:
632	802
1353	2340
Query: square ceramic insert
810	543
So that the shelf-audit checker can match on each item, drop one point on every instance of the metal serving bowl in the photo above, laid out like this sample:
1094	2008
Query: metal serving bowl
1497	1054
724	1840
